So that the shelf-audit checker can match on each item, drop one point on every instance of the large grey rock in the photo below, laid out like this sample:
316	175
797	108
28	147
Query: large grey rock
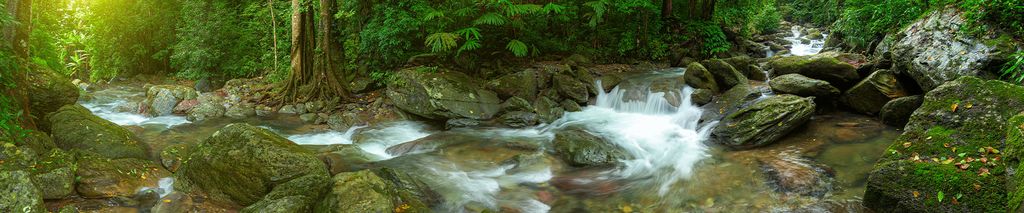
582	149
800	85
251	166
76	128
161	99
934	50
897	112
378	190
725	74
19	195
522	84
47	92
825	67
442	95
870	95
764	122
571	88
698	77
547	110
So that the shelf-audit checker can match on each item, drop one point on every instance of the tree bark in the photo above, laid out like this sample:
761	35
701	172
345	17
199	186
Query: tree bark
273	30
313	77
666	9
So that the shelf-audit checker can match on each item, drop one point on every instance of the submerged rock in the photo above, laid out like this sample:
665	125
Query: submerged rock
75	128
764	122
870	95
795	175
934	50
345	158
47	92
582	149
378	190
840	74
100	177
897	112
519	119
800	85
968	115
442	95
251	166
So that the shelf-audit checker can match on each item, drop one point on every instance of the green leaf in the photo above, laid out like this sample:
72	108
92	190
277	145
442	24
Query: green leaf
469	33
492	18
441	42
470	45
518	48
941	196
554	8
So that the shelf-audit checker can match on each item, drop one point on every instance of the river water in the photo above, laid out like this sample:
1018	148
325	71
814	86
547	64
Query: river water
672	167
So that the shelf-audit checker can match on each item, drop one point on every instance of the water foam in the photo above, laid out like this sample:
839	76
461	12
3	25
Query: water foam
800	49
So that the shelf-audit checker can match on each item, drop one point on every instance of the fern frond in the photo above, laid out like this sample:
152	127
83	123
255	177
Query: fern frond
554	8
433	14
599	7
517	48
523	9
490	19
469	33
466	11
470	45
441	42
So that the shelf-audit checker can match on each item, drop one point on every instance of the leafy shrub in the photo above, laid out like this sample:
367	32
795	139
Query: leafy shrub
863	21
1014	69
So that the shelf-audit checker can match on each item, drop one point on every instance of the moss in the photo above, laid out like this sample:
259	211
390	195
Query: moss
1014	143
75	127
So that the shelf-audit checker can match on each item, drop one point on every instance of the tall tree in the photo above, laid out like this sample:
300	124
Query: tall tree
313	77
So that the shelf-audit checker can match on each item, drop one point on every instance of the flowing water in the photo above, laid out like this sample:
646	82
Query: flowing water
800	47
672	167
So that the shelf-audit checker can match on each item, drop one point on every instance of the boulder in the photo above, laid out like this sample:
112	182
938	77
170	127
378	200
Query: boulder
522	84
569	87
278	174
571	106
742	64
730	100
897	112
240	111
185	106
840	74
547	110
345	158
934	50
725	75
764	122
800	85
19	195
54	174
870	95
75	128
173	155
582	149
1014	155
161	99
699	77
610	81
701	97
100	177
796	175
969	115
47	92
442	95
378	190
518	119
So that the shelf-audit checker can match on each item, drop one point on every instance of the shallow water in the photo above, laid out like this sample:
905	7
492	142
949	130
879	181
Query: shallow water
673	168
799	48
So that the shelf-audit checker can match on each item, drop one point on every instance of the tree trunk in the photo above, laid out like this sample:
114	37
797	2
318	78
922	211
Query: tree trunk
313	76
273	31
666	9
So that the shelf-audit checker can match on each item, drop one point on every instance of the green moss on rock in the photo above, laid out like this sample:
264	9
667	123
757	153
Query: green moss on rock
380	190
75	128
100	177
48	92
18	193
764	122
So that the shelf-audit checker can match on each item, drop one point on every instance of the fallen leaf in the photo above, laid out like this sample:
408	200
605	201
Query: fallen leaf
983	172
947	161
953	108
916	194
965	166
906	145
945	145
984	160
977	187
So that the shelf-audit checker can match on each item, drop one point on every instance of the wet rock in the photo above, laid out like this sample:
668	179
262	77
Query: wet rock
764	122
288	109
461	123
897	112
308	117
279	174
343	121
701	97
345	158
933	50
814	34
443	95
522	84
608	82
581	149
516	103
19	195
756	73
547	110
571	106
185	106
794	175
100	177
240	111
172	156
731	100
519	119
966	114
54	174
742	64
37	141
47	92
725	75
569	87
16	158
210	106
162	99
700	78
840	74
870	95
378	190
75	128
1014	146
800	85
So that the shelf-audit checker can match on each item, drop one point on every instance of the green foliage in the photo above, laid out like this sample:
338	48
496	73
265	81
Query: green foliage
1006	15
863	21
131	36
713	39
817	12
1014	69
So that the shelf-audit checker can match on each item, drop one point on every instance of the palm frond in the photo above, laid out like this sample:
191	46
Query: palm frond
470	45
492	18
469	33
441	42
517	48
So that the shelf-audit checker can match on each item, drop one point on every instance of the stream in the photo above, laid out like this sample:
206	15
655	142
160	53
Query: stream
672	167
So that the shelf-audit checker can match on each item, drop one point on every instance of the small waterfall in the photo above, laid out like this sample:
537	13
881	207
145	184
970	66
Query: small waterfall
799	48
665	141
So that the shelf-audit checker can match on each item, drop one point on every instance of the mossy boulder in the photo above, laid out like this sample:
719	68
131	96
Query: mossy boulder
700	78
1014	147
870	95
800	85
730	101
742	64
345	158
172	156
547	110
897	112
250	166
19	195
951	146
522	84
100	177
161	99
378	190
840	74
725	74
442	95
571	88
582	149
764	122
47	92
75	128
38	141
54	174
